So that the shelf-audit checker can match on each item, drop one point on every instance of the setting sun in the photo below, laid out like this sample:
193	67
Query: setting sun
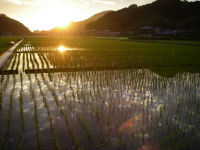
64	25
47	17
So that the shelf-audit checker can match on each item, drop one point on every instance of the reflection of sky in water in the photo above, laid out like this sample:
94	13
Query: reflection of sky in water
126	102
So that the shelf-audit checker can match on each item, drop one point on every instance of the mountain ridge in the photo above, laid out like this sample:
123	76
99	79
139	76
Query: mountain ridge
81	24
9	26
173	14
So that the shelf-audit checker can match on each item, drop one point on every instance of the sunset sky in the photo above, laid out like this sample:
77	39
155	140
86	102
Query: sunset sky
46	14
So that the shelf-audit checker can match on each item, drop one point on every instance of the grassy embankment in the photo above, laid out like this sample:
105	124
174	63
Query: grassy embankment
4	43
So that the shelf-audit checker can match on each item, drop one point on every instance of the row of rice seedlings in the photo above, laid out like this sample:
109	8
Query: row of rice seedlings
11	62
2	78
41	61
6	82
25	48
14	62
18	61
65	116
18	139
27	61
36	60
31	60
68	124
5	67
99	110
87	129
45	60
21	130
23	62
54	138
20	47
4	137
21	102
35	113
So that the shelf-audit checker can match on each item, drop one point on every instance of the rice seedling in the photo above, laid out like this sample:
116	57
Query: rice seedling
37	64
41	60
45	60
31	60
2	77
21	109
54	138
27	61
14	62
86	128
4	137
23	64
18	61
35	114
6	83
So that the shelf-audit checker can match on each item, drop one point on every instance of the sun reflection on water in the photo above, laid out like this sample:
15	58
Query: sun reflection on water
63	48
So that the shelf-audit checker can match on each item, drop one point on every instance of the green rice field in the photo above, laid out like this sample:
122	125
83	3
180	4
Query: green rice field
61	93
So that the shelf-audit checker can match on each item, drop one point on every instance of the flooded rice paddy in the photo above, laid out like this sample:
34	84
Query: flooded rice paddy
134	109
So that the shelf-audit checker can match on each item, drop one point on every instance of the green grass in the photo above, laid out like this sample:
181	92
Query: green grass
4	43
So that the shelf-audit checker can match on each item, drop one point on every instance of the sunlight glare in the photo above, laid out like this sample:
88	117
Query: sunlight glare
62	49
51	16
64	25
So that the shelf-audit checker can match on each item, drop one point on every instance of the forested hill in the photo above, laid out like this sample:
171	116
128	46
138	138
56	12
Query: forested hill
81	24
10	26
166	14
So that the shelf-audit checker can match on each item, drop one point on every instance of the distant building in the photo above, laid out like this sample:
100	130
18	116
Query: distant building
169	32
146	31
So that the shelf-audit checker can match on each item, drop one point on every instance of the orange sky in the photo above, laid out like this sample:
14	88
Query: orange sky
46	14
